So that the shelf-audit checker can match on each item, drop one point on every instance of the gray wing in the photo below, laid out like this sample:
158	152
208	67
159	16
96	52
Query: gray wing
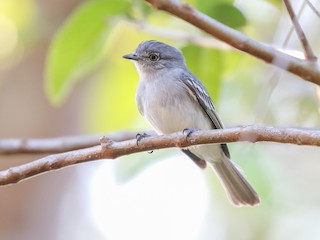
201	163
199	92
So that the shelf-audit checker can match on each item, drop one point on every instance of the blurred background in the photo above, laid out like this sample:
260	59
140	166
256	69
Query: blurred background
61	73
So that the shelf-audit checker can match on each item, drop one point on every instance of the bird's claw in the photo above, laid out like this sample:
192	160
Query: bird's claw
140	136
189	131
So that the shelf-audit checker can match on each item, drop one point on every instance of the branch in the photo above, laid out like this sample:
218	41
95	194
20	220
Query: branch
304	69
302	37
111	150
60	144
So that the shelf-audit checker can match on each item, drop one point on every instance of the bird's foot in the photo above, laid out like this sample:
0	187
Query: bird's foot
140	136
188	131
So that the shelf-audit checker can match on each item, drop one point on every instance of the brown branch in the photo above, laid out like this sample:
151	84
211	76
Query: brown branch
304	69
111	150
60	144
302	37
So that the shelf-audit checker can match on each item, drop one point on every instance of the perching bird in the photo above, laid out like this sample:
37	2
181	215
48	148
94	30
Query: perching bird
172	99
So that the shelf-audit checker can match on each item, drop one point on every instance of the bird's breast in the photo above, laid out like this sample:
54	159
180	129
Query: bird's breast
169	107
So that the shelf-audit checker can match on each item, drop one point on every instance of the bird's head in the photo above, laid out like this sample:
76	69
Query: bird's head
151	56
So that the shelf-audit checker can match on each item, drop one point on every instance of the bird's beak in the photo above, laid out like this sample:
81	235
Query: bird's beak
131	56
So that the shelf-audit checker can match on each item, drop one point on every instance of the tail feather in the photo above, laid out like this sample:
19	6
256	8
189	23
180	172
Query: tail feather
239	191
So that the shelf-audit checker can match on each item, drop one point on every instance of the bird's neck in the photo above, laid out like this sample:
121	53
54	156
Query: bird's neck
151	75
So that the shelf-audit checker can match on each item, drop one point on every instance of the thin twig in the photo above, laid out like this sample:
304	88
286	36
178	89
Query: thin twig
302	37
286	41
111	150
313	8
306	70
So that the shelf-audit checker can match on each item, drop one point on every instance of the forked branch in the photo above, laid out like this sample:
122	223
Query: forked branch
307	70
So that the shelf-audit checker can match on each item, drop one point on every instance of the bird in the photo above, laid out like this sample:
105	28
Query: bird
173	99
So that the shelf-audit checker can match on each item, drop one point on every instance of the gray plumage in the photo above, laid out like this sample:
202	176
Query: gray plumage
172	99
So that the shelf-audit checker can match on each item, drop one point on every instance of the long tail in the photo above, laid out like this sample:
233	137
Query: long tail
238	189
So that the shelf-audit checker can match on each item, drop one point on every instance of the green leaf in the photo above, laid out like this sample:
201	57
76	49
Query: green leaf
229	15
205	5
78	45
207	65
224	12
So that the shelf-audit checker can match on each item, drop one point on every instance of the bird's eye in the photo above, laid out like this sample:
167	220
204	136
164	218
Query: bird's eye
154	57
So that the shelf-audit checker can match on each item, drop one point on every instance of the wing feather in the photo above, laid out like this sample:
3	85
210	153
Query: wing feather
198	91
